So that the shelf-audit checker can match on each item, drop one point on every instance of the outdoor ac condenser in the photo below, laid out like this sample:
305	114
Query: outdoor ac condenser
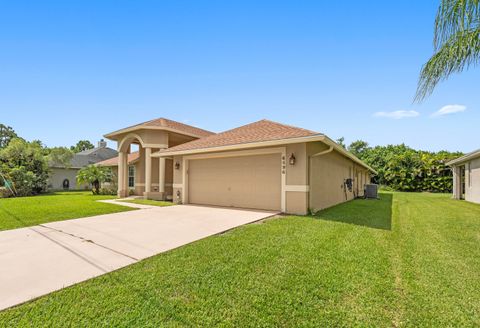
371	191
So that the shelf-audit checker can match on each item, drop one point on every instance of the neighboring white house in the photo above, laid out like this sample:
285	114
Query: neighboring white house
466	177
65	178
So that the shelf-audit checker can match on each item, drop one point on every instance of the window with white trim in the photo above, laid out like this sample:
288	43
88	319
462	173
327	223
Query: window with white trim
131	177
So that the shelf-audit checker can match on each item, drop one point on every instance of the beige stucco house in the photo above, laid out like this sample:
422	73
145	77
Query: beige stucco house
466	177
262	165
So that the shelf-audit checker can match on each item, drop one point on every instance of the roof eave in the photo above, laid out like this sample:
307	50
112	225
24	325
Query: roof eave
276	142
267	143
464	158
113	134
348	154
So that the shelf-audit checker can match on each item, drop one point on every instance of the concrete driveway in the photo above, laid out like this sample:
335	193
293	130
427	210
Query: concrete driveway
38	260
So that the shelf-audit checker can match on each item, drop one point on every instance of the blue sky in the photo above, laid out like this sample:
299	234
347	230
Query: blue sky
73	70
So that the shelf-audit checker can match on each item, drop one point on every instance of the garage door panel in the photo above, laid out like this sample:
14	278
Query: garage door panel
248	181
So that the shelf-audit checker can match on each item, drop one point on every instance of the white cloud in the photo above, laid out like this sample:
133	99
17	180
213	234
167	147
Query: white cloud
449	109
398	114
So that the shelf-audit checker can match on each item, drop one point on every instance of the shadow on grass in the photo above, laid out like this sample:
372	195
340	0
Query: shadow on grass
370	213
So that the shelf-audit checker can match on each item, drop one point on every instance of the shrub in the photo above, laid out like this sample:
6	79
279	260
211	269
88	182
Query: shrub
107	191
5	192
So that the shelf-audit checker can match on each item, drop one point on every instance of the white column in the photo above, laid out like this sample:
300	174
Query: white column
161	174
122	156
148	169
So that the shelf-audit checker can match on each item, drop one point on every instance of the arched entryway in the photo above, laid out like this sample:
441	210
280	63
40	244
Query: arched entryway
145	174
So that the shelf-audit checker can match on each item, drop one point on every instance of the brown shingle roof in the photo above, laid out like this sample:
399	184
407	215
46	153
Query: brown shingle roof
263	130
114	161
168	124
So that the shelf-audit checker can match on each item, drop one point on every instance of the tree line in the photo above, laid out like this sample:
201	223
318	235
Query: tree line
403	168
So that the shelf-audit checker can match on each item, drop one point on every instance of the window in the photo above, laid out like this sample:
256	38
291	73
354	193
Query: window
131	177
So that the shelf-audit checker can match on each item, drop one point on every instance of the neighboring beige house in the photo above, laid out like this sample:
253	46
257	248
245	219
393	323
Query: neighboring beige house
466	177
262	165
65	177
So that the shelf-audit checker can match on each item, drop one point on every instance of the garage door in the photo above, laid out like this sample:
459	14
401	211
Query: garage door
247	181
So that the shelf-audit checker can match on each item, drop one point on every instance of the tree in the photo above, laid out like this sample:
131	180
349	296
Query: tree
358	148
405	169
59	155
24	164
82	145
94	175
6	135
456	43
341	142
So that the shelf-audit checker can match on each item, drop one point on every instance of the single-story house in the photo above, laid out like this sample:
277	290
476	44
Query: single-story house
65	177
262	165
466	177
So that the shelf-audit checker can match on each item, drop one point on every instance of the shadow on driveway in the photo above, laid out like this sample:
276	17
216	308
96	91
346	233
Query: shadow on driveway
370	213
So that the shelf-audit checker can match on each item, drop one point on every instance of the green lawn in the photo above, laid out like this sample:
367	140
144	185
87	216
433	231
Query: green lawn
27	211
406	260
148	202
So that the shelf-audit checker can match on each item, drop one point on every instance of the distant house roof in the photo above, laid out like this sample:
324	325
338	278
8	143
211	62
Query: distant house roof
114	161
164	124
465	158
88	157
263	130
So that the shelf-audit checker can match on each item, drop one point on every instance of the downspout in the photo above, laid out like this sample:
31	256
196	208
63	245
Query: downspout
323	152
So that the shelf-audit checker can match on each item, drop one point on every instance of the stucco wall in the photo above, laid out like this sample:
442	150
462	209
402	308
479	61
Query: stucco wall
315	183
55	181
328	173
472	181
177	179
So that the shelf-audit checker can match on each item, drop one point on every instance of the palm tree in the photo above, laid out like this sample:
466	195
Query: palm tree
94	175
456	43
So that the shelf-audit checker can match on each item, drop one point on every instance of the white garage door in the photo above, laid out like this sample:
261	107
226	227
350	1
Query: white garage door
246	181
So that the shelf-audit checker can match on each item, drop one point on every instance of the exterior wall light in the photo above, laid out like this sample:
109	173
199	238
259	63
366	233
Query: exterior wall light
177	165
292	159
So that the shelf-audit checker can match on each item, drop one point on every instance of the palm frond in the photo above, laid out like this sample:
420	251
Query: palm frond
460	51
454	16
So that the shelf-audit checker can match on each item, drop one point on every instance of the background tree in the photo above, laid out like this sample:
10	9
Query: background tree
82	145
59	155
358	148
456	43
405	169
6	134
24	164
94	175
341	142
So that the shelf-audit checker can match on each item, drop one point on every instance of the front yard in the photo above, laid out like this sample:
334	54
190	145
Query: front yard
406	260
28	211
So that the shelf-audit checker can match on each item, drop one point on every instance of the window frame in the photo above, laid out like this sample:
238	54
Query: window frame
131	175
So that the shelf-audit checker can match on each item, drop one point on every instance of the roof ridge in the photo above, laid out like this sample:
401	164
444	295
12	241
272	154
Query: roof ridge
166	123
289	125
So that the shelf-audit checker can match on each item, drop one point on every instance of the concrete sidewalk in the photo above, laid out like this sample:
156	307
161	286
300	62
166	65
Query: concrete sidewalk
37	260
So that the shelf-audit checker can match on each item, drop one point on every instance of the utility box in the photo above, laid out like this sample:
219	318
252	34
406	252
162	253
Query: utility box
371	191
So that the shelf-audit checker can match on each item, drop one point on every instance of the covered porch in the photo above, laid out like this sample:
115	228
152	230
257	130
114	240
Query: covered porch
147	176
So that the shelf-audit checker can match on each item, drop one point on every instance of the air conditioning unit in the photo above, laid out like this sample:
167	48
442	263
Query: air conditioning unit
371	191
